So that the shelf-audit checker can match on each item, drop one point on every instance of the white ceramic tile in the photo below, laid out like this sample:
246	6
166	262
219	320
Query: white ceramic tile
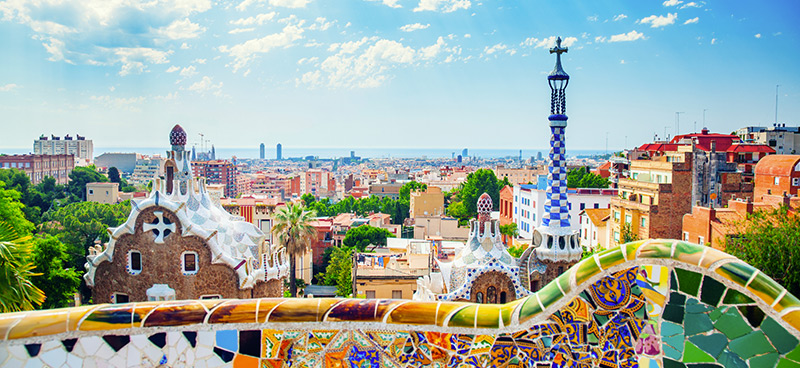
74	362
34	362
104	352
214	361
4	354
182	345
14	362
203	352
153	353
173	338
172	354
140	341
50	345
189	357
134	357
54	357
206	338
91	344
19	352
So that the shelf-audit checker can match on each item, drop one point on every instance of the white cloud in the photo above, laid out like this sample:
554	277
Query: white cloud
619	17
181	29
367	63
188	71
592	18
622	37
241	30
199	61
692	5
320	24
245	52
173	69
414	27
205	85
547	42
290	3
8	87
656	21
713	41
691	21
496	49
257	19
758	35
444	6
128	34
622	61
390	3
672	2
467	35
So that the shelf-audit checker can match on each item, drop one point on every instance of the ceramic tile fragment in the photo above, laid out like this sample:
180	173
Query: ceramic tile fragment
754	343
732	324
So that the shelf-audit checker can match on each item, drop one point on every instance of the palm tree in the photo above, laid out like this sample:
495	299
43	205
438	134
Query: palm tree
16	262
294	232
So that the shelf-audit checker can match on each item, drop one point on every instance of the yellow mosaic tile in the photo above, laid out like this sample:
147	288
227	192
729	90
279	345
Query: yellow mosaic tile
529	309
787	301
688	253
656	248
297	310
765	288
235	311
610	258
712	256
737	271
178	313
418	313
793	319
465	317
76	314
265	306
48	322
108	317
140	311
7	321
584	270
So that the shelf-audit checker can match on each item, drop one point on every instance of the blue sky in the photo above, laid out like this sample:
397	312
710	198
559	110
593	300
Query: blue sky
395	73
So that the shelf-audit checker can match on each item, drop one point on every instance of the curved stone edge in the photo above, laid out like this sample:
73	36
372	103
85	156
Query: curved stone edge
453	317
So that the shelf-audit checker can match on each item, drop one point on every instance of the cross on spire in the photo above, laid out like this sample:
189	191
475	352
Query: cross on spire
558	50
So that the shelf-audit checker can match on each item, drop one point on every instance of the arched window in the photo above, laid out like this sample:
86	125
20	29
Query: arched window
491	295
479	298
502	297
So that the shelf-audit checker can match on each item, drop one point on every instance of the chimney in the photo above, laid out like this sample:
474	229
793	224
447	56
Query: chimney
786	199
713	146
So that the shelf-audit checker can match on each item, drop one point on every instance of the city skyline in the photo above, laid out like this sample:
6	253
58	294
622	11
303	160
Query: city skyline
300	72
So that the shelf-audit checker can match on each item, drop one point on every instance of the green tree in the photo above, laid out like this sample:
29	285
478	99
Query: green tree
407	188
58	283
17	292
627	235
78	225
339	272
582	178
113	175
509	230
308	199
479	182
517	251
768	241
365	236
78	179
294	232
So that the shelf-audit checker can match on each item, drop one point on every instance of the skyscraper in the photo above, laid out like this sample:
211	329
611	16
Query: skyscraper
464	153
261	156
278	153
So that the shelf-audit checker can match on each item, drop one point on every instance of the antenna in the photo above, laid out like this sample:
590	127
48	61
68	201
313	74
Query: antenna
704	118
678	122
776	103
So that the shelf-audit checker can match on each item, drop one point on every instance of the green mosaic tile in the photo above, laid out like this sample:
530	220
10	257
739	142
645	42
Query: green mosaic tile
731	360
786	363
671	329
689	281
677	299
693	306
734	297
695	323
787	301
693	354
669	363
737	271
766	360
673	281
732	324
794	354
754	343
753	314
549	294
585	270
716	313
712	344
711	291
611	258
656	249
563	281
765	288
673	313
529	309
672	352
781	339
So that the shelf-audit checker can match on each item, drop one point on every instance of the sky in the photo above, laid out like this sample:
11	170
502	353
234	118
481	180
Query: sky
391	73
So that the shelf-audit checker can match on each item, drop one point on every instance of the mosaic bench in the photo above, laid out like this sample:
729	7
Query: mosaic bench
655	303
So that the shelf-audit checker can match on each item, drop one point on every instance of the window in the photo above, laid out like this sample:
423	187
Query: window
616	236
117	298
597	205
213	296
189	263
777	180
642	222
685	236
397	294
616	216
628	219
91	191
701	240
134	262
479	298
583	206
795	182
370	294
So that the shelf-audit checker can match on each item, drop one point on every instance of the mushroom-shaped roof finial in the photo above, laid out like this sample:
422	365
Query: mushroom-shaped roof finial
484	207
177	137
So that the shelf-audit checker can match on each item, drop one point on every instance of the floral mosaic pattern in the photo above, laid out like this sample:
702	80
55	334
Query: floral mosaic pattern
648	304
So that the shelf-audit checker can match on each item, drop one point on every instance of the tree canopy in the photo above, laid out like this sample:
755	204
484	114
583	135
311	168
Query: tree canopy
582	178
365	236
464	204
58	283
407	188
78	179
339	272
17	292
768	241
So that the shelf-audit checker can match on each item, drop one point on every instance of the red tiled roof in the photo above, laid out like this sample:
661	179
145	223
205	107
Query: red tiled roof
739	147
776	165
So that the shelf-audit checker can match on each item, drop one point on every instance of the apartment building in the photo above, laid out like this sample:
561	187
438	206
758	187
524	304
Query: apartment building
38	167
221	172
428	202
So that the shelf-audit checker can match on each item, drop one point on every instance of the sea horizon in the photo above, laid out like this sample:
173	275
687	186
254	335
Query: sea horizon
338	152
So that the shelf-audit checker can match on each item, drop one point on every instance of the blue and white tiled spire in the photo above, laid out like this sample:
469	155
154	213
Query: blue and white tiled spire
557	241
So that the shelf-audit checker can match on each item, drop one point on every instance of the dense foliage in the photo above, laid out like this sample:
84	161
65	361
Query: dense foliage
463	201
339	271
397	209
582	178
365	236
768	241
293	231
57	282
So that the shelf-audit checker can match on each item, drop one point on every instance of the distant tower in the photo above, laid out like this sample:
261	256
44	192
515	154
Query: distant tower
459	159
261	151
556	246
278	152
464	153
213	153
352	154
194	155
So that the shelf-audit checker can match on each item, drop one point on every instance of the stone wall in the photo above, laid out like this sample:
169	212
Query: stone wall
658	303
161	264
